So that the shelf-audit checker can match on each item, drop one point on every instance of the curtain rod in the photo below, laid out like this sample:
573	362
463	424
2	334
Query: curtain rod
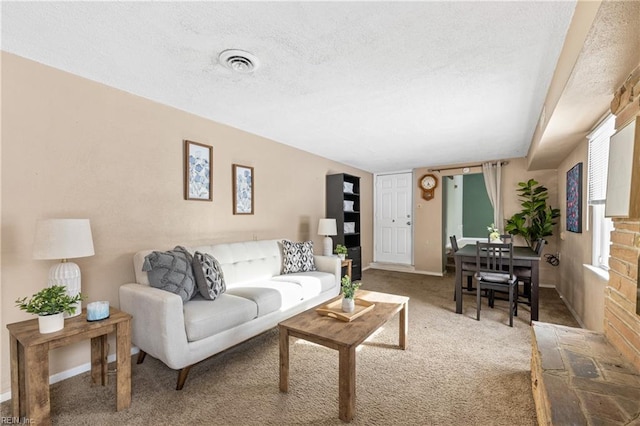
502	163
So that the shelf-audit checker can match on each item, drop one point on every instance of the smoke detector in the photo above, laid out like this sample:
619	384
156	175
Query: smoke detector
239	60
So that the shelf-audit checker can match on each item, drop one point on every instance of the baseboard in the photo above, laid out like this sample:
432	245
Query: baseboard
58	377
401	268
575	315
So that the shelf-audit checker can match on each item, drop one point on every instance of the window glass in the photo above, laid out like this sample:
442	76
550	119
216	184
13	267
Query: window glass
601	226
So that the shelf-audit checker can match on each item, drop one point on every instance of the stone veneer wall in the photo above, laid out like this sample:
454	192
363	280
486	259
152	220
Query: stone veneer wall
621	323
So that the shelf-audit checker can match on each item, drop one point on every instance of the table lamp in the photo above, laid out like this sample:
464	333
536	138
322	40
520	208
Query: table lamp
327	227
64	239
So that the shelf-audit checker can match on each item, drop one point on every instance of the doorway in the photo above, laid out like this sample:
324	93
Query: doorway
393	218
467	210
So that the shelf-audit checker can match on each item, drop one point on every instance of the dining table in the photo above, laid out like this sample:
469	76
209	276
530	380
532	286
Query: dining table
522	257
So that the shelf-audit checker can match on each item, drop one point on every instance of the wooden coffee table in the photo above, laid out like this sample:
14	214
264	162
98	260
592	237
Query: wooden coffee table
344	337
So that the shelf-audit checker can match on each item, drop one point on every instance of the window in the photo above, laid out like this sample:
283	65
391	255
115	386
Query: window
598	161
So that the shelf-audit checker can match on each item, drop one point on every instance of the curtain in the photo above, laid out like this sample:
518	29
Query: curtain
492	177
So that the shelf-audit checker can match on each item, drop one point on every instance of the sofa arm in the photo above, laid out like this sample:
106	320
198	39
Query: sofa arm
158	322
330	264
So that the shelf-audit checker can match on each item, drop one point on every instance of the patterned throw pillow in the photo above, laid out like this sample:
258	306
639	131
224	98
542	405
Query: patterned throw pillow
298	257
209	275
171	271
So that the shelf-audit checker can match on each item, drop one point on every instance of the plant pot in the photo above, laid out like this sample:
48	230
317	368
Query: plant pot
51	323
342	256
348	305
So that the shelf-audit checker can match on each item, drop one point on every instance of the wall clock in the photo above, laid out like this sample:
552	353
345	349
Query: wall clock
428	184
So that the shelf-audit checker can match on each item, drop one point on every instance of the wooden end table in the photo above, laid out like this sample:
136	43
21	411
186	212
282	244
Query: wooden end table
344	337
347	263
30	360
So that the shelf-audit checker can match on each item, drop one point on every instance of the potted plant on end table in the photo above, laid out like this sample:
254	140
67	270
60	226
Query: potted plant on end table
349	289
50	304
341	251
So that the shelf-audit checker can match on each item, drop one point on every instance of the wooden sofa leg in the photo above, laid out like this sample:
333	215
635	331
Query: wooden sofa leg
182	377
141	356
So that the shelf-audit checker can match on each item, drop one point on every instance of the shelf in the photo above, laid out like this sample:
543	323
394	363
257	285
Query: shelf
337	199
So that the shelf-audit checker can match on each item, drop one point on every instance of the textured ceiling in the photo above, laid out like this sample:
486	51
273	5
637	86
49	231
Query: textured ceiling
382	86
610	52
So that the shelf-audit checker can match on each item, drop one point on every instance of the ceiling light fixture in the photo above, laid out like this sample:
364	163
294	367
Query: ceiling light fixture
239	60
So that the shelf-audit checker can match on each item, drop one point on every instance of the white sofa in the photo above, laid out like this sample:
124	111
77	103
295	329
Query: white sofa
257	298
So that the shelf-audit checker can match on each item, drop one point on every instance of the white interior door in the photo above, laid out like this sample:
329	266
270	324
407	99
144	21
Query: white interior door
393	217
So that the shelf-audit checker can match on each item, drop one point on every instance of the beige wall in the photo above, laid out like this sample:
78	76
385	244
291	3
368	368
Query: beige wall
428	234
581	287
75	148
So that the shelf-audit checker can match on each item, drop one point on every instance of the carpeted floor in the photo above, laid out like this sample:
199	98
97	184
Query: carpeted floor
455	371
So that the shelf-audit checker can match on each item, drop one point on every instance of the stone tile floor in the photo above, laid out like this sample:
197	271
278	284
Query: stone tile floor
585	380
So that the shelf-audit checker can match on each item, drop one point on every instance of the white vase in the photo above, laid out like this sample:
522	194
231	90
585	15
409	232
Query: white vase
342	256
348	305
51	323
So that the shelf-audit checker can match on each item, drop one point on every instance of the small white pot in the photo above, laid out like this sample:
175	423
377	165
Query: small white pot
342	256
51	323
348	305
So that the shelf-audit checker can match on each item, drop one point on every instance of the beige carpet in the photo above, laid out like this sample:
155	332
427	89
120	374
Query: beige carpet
455	371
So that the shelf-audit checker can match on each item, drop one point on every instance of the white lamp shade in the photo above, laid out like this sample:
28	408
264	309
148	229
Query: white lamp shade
327	227
63	239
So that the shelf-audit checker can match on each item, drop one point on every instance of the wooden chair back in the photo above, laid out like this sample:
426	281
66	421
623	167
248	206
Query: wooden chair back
494	258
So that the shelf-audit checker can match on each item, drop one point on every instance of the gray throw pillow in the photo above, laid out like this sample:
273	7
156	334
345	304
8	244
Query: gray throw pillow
171	271
209	275
298	257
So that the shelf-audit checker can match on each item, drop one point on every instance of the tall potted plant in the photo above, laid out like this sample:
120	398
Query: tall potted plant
536	220
50	304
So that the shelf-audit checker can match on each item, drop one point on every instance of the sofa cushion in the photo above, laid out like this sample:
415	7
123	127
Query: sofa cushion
312	283
209	275
268	299
248	260
171	271
204	318
290	293
298	257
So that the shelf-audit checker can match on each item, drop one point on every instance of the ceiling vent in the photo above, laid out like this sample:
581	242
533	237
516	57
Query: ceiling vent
239	60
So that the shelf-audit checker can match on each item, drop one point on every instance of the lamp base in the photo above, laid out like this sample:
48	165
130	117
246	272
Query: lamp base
327	246
67	274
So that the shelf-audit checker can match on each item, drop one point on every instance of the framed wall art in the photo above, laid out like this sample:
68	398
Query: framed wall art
242	189
574	199
198	160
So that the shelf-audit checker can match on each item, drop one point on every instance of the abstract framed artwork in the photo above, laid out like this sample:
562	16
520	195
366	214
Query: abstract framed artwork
242	189
574	199
198	159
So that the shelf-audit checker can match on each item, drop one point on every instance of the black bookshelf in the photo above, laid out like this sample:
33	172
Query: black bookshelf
343	205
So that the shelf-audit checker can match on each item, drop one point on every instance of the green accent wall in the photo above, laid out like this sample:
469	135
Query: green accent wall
477	212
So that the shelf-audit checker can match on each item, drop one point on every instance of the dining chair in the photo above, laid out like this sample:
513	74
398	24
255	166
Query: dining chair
524	274
494	264
506	239
468	268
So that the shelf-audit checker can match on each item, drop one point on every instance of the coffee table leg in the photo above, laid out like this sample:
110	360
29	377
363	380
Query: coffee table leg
284	359
347	382
404	325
